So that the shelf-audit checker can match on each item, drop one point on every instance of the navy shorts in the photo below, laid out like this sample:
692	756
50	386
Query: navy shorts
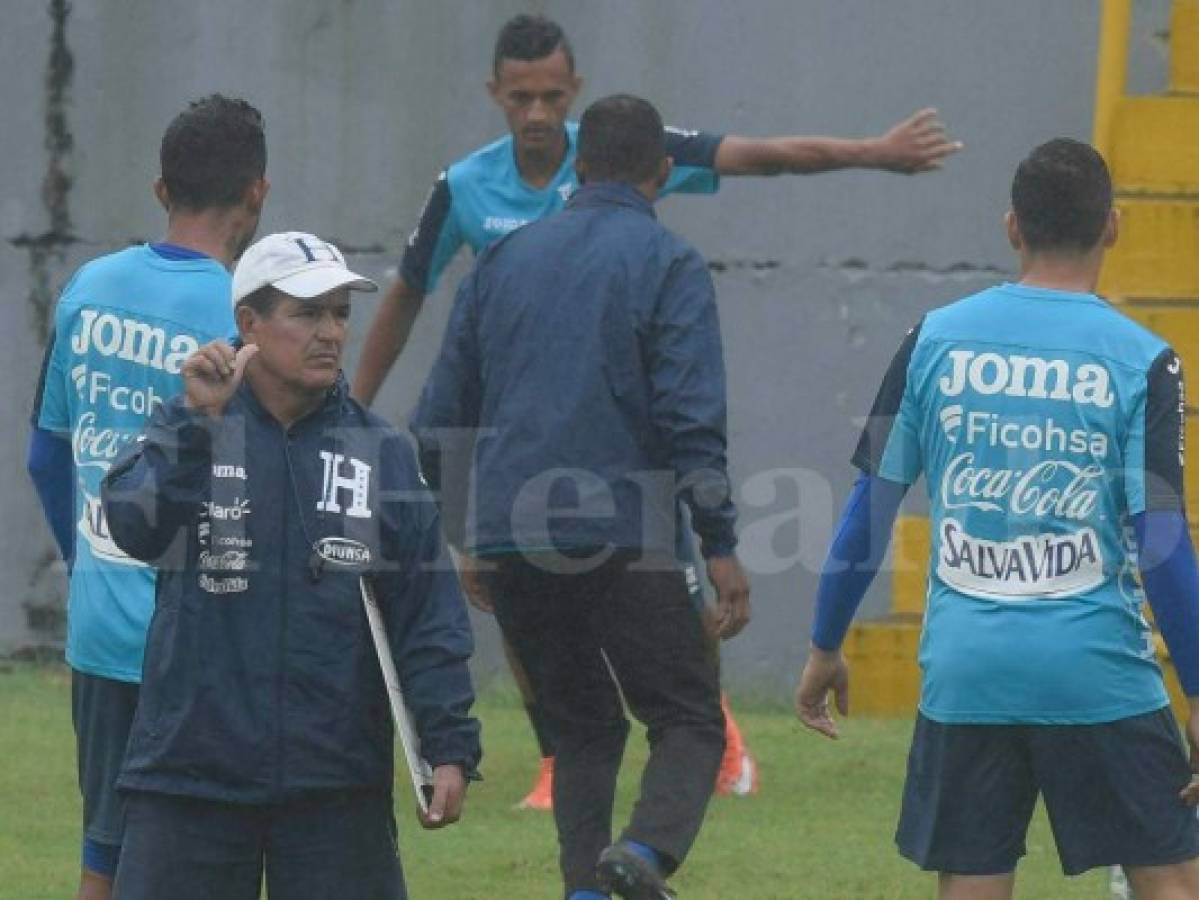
102	712
1111	791
331	846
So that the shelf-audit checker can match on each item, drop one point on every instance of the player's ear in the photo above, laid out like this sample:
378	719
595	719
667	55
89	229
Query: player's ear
160	192
1012	225
245	317
1111	229
255	195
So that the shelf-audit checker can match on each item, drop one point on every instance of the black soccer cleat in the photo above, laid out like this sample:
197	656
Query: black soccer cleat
622	872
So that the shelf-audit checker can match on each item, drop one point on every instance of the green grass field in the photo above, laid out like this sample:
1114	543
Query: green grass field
821	828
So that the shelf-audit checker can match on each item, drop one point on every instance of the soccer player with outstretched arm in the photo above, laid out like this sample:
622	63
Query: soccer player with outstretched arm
530	172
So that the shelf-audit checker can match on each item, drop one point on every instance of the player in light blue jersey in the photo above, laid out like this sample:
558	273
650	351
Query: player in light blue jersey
529	173
1049	429
122	329
482	197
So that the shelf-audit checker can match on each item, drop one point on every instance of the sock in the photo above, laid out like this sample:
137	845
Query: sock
646	852
587	895
101	858
541	728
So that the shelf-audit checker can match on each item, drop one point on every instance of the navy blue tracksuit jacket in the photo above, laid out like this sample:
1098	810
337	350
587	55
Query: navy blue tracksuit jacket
261	683
585	349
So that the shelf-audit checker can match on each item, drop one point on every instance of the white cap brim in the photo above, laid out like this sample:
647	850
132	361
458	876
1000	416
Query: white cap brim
313	282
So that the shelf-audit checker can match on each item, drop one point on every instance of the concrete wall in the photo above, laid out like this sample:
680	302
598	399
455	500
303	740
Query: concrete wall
365	100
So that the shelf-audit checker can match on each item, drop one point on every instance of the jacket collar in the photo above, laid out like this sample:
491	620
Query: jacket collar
332	403
611	193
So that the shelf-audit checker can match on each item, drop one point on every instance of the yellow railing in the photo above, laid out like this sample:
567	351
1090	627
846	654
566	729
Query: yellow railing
1114	26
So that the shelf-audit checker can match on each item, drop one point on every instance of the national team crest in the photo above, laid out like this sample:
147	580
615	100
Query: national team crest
356	482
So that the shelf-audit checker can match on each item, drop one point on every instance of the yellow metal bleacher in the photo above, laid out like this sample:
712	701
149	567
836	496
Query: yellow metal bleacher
1152	146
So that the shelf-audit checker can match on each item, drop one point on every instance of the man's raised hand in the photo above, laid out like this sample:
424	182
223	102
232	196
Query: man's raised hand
212	374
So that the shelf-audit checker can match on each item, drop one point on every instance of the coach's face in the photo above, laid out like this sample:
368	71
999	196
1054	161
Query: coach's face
535	96
300	342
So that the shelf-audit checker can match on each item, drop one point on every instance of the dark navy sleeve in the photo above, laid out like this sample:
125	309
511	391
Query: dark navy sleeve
428	626
447	415
51	406
39	394
157	483
52	469
434	242
51	466
685	364
694	157
1155	457
889	445
1165	435
692	148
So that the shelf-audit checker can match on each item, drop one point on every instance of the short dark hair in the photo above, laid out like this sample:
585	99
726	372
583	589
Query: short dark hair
527	38
1061	195
211	152
621	139
263	301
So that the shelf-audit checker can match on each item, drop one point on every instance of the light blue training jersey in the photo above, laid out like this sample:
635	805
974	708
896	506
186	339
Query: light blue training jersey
1042	421
122	329
482	197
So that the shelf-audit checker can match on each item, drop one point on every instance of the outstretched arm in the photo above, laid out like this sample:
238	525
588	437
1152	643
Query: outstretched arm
917	144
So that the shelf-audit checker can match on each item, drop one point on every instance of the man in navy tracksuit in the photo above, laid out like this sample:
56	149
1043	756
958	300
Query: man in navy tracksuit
585	348
262	740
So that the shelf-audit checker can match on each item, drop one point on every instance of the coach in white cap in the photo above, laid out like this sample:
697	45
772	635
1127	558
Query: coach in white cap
297	264
262	745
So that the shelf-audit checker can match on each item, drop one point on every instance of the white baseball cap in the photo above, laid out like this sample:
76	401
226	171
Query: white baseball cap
296	263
